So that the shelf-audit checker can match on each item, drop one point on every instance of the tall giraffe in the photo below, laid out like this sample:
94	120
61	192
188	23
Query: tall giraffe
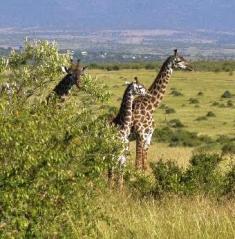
73	77
123	122
144	106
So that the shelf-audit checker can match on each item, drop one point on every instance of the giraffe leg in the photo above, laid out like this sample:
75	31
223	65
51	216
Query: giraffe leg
144	159
120	180
139	152
146	144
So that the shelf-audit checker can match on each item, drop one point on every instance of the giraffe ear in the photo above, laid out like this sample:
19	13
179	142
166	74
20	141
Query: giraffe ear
65	69
175	52
78	62
136	80
127	83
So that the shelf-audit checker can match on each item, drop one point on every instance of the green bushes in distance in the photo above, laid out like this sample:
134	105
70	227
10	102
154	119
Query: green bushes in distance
226	94
179	137
210	114
229	148
169	110
193	101
176	93
175	123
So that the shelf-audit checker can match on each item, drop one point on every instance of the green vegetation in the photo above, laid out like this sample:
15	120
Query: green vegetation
54	159
202	66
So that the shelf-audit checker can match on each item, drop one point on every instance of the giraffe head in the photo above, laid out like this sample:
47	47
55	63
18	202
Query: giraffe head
179	62
75	69
137	88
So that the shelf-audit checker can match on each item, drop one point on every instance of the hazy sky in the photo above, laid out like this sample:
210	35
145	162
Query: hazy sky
110	14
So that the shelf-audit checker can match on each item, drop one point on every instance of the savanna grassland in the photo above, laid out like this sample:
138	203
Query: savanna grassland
54	158
191	95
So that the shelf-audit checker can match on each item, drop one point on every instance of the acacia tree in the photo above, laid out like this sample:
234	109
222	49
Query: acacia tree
52	159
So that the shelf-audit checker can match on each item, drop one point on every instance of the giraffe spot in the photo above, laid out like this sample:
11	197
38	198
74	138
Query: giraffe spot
143	112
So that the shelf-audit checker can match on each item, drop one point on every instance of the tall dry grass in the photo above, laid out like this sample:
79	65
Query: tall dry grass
181	218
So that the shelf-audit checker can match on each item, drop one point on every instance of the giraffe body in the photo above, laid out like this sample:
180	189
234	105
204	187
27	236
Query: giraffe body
144	106
123	122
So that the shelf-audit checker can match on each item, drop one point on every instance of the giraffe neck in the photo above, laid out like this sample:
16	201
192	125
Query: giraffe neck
158	88
123	118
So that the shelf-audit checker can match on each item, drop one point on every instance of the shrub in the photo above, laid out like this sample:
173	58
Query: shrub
53	158
3	64
229	148
162	106
175	123
168	178
230	103
193	101
169	110
179	137
176	93
226	94
215	103
201	118
210	114
229	183
150	66
202	174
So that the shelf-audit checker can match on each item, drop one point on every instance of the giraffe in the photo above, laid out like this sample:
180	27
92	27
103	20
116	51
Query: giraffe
144	106
73	77
123	123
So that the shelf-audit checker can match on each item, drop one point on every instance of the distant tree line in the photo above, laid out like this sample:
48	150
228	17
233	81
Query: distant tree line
200	65
214	66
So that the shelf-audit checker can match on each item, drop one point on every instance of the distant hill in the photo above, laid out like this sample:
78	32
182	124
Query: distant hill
119	14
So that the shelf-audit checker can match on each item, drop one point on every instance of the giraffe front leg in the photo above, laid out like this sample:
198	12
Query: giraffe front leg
147	141
120	179
139	153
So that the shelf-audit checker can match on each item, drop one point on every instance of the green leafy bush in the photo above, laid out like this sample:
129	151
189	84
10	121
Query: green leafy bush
175	123
230	103
201	118
53	159
36	65
193	101
3	64
226	94
170	110
229	148
202	176
176	93
210	114
180	137
229	183
168	178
